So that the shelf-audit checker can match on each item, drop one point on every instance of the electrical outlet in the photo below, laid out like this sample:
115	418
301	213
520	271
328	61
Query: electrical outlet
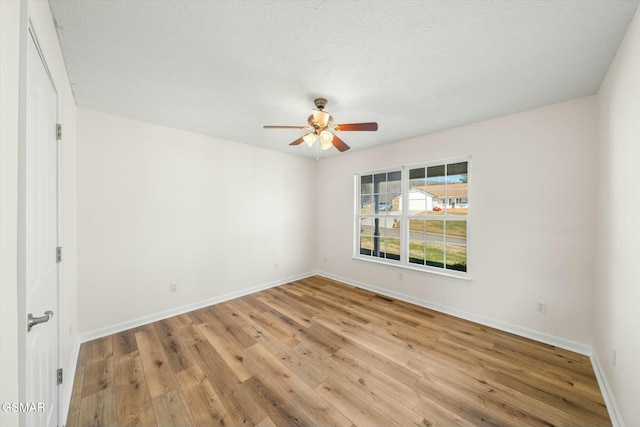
400	276
173	287
325	260
275	265
541	307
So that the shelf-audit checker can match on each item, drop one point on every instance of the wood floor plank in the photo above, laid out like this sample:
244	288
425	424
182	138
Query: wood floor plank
319	352
482	395
205	404
133	401
324	339
585	412
298	391
379	342
180	321
275	403
98	366
98	409
445	397
481	377
197	317
296	361
299	298
375	393
588	384
98	349
255	320
288	311
224	316
230	353
290	303
267	422
171	410
125	342
381	311
160	377
174	349
291	359
542	357
358	412
549	376
378	382
240	406
332	303
428	412
380	362
76	396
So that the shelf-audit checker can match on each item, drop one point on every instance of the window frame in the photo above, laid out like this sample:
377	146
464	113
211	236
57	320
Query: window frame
404	217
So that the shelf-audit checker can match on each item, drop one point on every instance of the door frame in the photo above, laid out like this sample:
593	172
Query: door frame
28	32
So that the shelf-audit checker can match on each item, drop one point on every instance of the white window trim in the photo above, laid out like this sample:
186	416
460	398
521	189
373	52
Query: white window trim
404	217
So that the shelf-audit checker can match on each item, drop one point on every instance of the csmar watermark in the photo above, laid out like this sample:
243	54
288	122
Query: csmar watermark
22	407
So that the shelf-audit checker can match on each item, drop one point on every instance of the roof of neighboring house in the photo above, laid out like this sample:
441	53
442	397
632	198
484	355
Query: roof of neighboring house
416	190
420	190
451	190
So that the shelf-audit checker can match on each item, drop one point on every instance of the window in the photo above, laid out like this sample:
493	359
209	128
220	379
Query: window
379	218
415	216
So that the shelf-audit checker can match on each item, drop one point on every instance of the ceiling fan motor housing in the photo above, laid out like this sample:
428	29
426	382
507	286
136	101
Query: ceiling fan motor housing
320	120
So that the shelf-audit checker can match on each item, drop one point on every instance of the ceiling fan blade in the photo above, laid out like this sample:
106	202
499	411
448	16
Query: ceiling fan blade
371	126
297	141
285	127
339	144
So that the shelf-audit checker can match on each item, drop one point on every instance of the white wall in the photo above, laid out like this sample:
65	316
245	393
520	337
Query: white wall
617	297
158	205
532	201
13	32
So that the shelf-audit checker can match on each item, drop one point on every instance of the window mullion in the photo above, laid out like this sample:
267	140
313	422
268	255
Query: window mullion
404	217
358	210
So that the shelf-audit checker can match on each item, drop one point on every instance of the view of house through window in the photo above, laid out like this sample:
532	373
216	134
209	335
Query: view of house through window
427	230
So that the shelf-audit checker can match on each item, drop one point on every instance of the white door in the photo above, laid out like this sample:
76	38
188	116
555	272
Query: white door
41	227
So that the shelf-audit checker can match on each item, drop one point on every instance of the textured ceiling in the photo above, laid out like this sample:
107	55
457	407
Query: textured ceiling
226	68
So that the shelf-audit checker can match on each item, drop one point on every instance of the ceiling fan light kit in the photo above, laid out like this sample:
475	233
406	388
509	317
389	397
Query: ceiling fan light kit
310	138
320	123
326	138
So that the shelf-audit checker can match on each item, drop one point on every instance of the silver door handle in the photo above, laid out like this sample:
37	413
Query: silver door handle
32	321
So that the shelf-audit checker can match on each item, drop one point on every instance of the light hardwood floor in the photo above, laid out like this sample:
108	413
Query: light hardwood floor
317	352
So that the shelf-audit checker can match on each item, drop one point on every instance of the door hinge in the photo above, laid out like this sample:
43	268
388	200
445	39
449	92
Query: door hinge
59	376
59	254
58	132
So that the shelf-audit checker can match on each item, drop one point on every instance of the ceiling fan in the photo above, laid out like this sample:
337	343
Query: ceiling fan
321	123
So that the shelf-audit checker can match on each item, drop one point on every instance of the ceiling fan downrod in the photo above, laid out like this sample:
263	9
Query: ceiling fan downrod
320	103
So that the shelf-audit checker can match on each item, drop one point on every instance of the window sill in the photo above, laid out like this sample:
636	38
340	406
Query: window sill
398	264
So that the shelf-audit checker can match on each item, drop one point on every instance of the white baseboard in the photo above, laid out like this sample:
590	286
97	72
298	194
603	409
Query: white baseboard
493	323
605	389
134	323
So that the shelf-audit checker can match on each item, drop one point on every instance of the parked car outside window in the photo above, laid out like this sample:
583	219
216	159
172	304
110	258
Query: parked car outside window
384	206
